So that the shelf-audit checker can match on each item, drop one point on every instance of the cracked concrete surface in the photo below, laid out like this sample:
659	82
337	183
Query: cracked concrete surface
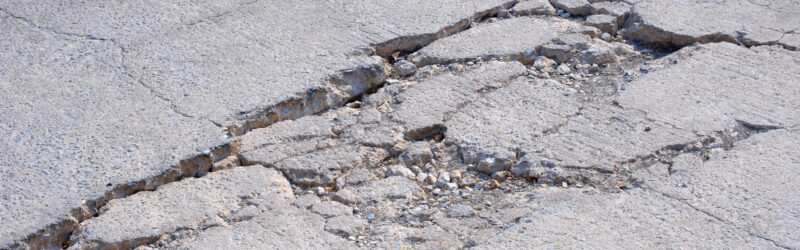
680	23
413	124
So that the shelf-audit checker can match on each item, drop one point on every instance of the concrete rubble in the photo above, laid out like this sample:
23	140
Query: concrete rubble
391	124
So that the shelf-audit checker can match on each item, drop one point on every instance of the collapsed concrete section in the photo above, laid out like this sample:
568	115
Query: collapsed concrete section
114	99
457	144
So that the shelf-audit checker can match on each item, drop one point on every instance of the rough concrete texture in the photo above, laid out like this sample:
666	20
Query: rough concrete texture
74	127
635	219
196	204
533	7
123	92
745	87
515	39
425	105
399	125
574	7
680	23
495	128
758	177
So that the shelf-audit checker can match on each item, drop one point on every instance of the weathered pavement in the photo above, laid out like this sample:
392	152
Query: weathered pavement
384	124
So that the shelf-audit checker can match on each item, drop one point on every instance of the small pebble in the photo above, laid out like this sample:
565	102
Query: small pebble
444	177
564	69
456	175
405	68
503	13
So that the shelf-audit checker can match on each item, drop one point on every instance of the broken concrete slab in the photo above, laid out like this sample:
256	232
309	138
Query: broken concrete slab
195	203
713	86
633	218
391	188
580	135
291	130
279	225
618	9
320	168
533	7
680	23
559	52
156	83
189	73
606	23
574	7
497	133
498	125
599	139
417	154
575	41
601	52
76	131
515	39
751	187
286	139
424	105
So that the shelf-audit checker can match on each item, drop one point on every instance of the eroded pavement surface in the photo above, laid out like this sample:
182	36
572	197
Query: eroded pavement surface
400	124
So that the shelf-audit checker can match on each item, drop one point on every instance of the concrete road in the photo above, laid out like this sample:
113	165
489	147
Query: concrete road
399	124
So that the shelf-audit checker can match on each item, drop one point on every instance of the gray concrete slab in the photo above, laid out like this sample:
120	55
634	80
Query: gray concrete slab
501	123
425	105
110	98
751	187
574	7
194	53
74	127
680	23
539	129
635	219
610	145
194	204
515	39
533	7
711	87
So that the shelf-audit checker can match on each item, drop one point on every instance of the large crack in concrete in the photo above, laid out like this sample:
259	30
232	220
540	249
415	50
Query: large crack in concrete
349	86
623	168
436	130
361	80
309	105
